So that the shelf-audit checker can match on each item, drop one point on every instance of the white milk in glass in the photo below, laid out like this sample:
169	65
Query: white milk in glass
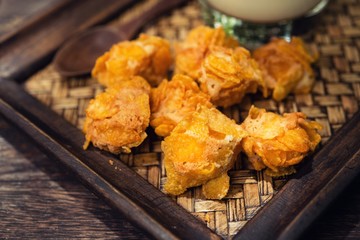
254	22
264	10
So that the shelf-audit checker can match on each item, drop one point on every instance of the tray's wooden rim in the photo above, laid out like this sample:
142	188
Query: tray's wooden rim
33	46
286	216
32	19
116	183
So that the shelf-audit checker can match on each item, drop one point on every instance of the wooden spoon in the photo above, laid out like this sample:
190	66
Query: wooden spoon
77	57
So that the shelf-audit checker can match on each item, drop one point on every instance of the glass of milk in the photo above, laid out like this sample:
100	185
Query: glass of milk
254	22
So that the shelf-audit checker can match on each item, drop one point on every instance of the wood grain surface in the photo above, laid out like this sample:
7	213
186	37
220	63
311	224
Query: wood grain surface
39	198
310	190
29	192
33	47
252	190
117	184
18	14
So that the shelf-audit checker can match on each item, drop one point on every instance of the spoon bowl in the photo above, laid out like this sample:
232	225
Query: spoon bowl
77	57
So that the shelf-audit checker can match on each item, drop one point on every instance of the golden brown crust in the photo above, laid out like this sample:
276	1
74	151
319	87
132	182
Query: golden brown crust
117	118
216	188
201	147
286	67
278	142
201	143
228	74
174	100
191	52
147	56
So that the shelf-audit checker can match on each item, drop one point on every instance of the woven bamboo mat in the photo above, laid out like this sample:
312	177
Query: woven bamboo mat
333	100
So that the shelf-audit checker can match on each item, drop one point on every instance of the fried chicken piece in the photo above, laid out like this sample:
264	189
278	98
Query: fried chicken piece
117	118
200	150
191	52
229	74
286	67
147	56
278	142
174	100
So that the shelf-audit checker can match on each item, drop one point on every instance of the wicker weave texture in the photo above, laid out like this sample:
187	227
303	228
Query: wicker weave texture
333	100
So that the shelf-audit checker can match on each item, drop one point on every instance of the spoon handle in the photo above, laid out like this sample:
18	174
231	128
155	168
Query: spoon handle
131	28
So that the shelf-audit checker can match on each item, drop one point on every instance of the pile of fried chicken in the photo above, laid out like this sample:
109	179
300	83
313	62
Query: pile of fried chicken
211	70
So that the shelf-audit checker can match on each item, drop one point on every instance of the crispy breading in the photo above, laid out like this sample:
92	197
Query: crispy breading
228	74
201	148
174	100
216	188
147	56
117	118
286	66
191	52
278	142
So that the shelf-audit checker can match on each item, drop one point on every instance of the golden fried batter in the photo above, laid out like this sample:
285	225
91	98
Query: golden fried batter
216	188
200	150
228	74
278	142
191	52
147	56
174	100
117	118
286	67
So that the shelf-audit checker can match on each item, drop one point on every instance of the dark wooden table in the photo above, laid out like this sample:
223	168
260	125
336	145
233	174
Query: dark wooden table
40	199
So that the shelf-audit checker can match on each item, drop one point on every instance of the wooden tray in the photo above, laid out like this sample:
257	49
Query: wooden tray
247	212
17	15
